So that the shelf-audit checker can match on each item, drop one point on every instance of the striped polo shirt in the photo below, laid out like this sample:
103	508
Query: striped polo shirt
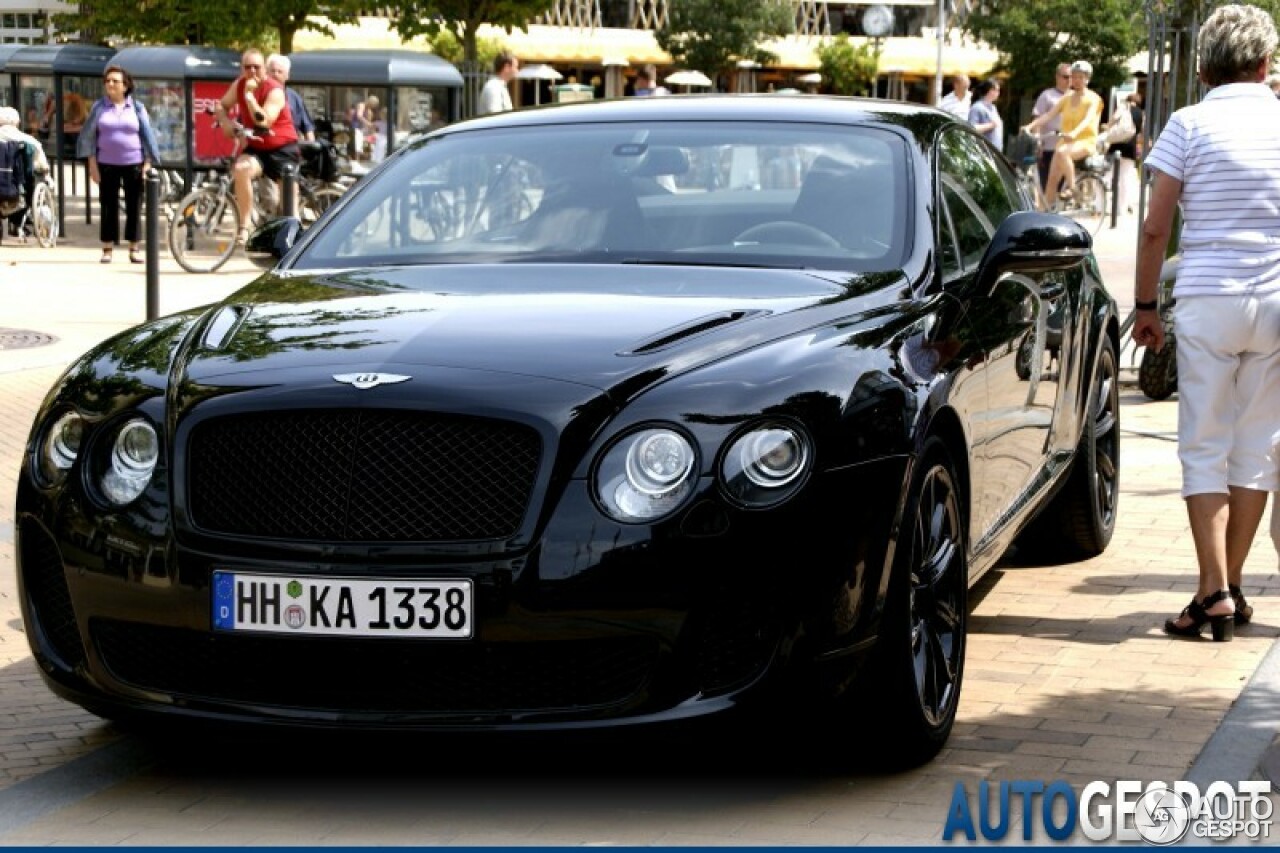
1226	152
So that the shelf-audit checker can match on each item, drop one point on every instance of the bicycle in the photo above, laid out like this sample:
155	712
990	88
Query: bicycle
203	231
1087	201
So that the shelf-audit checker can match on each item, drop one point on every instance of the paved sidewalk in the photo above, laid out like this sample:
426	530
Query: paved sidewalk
1068	677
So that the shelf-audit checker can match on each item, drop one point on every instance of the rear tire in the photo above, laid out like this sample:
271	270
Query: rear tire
910	690
1158	371
313	206
1080	521
202	235
1090	204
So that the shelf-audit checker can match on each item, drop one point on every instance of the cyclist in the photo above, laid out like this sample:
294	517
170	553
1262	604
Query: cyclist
1081	112
272	144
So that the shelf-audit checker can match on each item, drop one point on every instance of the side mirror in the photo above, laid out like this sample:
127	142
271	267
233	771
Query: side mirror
270	243
1028	241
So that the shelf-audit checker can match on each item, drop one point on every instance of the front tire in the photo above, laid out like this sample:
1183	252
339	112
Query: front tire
202	235
1158	371
911	689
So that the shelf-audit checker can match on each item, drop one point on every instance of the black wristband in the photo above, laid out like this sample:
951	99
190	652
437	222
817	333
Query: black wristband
1150	305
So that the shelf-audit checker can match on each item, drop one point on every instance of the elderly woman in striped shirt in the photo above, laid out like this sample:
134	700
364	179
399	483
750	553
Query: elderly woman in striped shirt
1220	159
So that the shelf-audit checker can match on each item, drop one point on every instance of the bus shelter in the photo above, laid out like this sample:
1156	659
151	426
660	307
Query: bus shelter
8	81
180	85
55	85
369	102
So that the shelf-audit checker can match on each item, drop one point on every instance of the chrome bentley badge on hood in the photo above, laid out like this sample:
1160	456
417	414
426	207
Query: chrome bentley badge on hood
370	380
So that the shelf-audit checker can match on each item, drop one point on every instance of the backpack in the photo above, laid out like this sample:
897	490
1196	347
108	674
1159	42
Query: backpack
13	173
1122	129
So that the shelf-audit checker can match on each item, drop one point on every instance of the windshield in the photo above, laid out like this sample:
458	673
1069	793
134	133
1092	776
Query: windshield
792	196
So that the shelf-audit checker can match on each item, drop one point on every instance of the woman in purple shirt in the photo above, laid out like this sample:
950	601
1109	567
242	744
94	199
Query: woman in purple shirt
121	147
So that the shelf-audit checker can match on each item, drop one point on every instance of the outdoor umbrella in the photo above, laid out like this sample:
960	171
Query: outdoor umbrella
539	72
688	78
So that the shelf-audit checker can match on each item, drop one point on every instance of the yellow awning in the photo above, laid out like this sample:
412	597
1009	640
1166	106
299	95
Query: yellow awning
910	56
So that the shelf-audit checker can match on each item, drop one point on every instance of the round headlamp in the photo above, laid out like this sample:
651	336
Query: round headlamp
61	447
646	475
134	455
765	466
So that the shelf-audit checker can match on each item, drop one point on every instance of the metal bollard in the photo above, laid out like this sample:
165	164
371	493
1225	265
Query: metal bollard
153	244
1115	188
289	189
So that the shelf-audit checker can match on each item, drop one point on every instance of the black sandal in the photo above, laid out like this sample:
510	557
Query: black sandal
1223	626
1244	610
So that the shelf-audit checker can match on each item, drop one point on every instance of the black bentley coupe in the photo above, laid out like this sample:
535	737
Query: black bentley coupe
582	416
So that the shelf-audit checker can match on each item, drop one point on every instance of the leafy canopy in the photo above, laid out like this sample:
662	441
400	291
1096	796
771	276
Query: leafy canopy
711	35
228	23
463	18
846	68
1034	38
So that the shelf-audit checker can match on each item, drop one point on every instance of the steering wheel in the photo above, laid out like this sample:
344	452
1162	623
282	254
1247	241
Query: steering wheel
784	231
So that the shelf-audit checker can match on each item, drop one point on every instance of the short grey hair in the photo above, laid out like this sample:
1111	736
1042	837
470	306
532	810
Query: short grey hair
1234	41
280	59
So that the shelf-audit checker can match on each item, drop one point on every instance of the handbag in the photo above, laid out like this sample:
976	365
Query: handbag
1122	129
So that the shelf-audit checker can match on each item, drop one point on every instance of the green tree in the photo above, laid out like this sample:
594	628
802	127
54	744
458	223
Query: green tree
226	23
445	45
846	68
463	18
1033	38
711	35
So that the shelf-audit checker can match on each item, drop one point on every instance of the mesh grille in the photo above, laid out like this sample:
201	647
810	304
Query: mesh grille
377	675
47	588
362	476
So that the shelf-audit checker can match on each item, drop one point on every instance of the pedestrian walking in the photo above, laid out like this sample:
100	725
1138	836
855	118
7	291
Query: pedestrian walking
984	116
1127	149
959	100
120	145
1220	159
496	97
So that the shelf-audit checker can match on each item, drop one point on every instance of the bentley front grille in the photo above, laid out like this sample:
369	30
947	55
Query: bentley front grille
361	476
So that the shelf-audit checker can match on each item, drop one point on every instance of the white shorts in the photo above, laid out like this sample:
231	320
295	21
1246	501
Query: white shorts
1228	392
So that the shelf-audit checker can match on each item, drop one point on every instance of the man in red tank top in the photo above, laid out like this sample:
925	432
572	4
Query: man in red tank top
259	103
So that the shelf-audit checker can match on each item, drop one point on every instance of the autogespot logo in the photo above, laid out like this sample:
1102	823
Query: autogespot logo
1157	813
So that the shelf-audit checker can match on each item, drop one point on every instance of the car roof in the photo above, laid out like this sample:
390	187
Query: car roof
916	119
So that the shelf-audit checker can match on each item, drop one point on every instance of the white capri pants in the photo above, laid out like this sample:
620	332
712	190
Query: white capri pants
1228	392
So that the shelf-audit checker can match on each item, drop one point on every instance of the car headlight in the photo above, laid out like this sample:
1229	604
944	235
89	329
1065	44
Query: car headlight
765	466
61	447
646	475
134	455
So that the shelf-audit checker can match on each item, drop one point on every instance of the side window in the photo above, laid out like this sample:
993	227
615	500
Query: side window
948	253
974	191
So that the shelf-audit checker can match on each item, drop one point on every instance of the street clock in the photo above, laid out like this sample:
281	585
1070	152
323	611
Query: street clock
877	21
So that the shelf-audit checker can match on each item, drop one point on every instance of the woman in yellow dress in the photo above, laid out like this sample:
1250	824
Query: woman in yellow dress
1081	111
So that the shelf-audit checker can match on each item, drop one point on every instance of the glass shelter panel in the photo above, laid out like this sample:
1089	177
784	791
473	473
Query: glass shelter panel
167	108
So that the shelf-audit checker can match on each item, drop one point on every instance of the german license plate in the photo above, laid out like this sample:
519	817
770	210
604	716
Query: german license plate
356	607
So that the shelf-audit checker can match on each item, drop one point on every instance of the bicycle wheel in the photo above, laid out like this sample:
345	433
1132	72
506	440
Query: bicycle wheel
202	236
315	203
44	216
1089	207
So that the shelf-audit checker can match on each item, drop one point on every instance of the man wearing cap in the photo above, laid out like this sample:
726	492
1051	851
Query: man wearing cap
1081	113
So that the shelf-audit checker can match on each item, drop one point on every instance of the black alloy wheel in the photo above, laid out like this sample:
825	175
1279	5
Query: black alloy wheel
911	689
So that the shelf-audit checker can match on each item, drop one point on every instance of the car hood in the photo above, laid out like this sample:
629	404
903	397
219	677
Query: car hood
593	325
